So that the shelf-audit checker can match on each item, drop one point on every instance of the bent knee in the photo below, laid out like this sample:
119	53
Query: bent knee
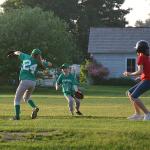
25	99
134	98
128	93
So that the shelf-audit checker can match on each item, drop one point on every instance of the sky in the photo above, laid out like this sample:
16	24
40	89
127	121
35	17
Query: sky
141	9
1	1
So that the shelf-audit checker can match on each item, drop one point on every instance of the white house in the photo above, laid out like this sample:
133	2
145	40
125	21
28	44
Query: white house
114	47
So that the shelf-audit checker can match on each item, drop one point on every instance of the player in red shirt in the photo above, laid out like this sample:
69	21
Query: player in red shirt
143	62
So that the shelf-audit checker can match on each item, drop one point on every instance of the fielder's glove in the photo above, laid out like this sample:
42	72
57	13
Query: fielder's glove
79	95
10	54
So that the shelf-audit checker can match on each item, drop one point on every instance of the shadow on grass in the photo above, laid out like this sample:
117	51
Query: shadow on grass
80	117
62	117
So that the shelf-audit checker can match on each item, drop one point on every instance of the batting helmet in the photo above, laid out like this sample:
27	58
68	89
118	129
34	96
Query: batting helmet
142	46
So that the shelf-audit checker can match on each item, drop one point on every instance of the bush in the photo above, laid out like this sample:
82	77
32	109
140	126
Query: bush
83	73
96	74
92	72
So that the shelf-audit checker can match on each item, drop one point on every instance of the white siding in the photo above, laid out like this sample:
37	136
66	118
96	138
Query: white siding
116	63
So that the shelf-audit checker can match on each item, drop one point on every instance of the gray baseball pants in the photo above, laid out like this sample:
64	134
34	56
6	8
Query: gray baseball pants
71	100
24	90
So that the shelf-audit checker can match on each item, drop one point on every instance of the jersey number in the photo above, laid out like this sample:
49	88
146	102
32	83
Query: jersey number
27	66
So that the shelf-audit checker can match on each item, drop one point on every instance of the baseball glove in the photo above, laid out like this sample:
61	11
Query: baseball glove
10	54
79	95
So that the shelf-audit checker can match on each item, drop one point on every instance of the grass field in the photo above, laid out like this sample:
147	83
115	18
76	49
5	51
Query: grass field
103	127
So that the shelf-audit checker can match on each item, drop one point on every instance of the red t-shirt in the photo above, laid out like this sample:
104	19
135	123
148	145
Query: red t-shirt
145	62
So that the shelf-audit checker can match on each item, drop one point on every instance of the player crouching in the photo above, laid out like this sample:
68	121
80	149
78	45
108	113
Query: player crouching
69	88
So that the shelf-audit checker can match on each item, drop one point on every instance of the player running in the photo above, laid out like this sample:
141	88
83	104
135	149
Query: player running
69	86
143	62
27	77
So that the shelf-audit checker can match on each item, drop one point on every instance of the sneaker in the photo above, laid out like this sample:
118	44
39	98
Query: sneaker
135	117
79	113
146	117
15	118
34	113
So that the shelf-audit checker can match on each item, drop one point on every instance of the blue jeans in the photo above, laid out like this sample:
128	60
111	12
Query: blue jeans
139	88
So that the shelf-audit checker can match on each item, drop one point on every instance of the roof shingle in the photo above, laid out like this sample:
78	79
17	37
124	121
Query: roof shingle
116	40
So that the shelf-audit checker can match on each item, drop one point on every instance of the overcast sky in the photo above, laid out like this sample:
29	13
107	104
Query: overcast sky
1	1
141	9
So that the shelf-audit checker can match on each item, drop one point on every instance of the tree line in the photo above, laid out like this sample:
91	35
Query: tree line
58	27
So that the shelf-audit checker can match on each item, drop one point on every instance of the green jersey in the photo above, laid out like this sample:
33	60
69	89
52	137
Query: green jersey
29	67
67	82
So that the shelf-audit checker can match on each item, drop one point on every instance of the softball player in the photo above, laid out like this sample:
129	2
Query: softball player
69	86
143	62
27	77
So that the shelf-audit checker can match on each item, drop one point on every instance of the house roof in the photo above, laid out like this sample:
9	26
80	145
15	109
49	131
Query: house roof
116	40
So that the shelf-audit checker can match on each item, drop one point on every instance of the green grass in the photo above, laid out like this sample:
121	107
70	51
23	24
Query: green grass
103	126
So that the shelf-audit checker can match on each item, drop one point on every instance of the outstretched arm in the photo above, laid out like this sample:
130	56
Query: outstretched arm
13	53
136	73
49	64
17	53
45	63
58	82
56	86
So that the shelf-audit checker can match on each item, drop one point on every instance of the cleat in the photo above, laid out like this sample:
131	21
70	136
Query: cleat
34	113
79	113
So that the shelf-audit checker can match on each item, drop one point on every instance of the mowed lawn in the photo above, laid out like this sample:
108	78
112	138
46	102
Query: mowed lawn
103	127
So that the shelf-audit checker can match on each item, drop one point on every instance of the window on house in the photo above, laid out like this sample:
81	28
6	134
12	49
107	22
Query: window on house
131	64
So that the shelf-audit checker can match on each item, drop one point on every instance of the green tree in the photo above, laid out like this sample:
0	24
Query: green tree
25	29
80	14
100	13
140	23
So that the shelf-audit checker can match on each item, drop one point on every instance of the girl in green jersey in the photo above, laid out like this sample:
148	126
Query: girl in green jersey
69	86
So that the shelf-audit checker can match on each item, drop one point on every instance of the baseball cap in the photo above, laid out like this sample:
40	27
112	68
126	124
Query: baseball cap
36	51
64	66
